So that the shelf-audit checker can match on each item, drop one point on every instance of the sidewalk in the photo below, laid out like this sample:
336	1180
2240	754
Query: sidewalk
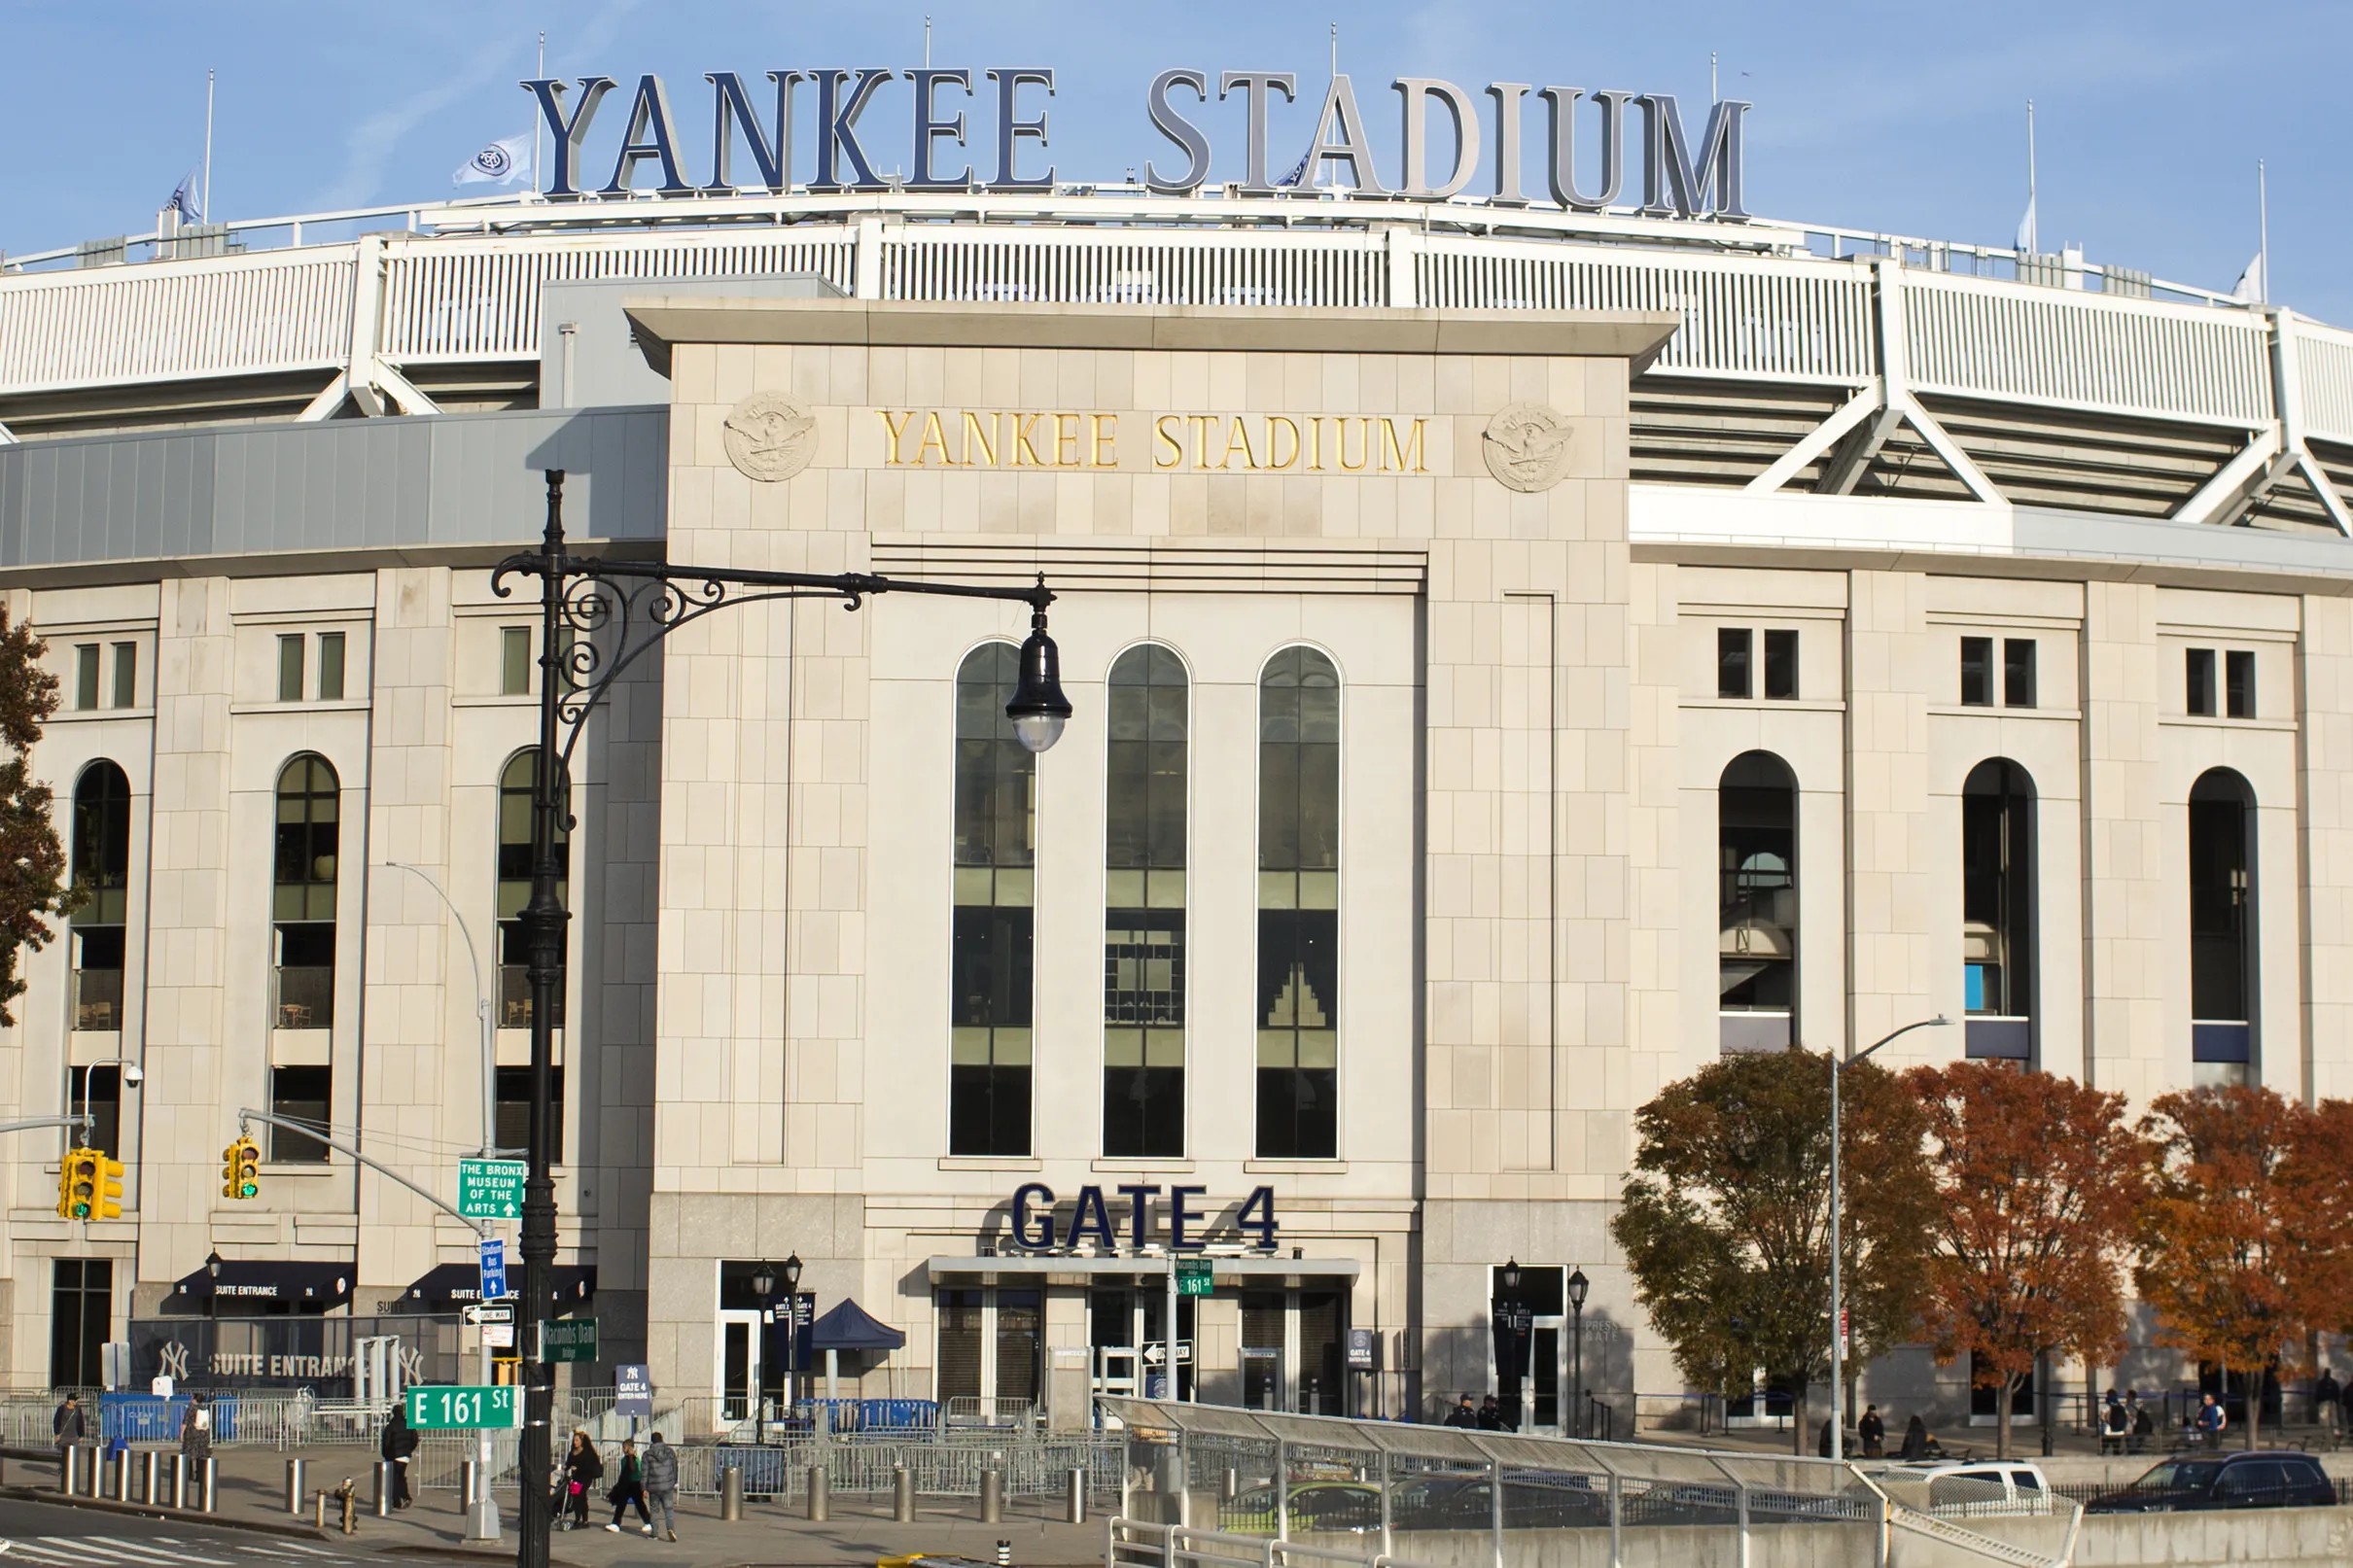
253	1483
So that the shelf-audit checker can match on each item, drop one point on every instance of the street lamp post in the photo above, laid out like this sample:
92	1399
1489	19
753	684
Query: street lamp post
1523	1334
763	1285
792	1327
212	1307
596	616
1578	1284
1838	1301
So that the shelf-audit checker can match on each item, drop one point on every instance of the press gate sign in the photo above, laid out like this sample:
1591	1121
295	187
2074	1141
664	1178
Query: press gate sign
441	1410
491	1189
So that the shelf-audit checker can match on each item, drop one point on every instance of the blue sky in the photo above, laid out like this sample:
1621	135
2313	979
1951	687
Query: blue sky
1890	116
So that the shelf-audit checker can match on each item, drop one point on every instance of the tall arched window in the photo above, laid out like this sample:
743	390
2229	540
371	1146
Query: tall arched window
1757	903
1298	1006
302	894
512	1122
1997	910
995	894
2221	929
302	935
1143	921
101	873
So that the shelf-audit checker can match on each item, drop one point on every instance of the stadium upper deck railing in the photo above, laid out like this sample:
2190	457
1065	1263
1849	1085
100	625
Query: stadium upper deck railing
1765	303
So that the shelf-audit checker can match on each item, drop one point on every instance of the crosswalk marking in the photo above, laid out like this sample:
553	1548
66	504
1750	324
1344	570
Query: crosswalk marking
120	1551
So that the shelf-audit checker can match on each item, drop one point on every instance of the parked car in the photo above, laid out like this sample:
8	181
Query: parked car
2262	1478
1468	1503
1978	1489
1345	1505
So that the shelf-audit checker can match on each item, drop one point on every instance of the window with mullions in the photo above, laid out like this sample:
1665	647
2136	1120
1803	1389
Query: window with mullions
995	893
1756	902
2221	929
1997	910
302	894
101	873
1298	907
1143	921
514	887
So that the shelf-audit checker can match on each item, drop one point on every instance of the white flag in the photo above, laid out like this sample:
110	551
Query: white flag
500	164
2251	282
2025	228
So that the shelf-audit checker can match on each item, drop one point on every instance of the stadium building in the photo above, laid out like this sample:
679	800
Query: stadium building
1519	652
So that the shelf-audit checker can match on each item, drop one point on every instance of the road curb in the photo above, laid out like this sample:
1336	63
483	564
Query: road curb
156	1511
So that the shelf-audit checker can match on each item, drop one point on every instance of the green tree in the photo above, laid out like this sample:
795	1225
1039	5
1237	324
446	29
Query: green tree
32	863
1726	1222
2039	1181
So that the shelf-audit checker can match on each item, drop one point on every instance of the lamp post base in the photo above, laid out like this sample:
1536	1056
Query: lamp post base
482	1519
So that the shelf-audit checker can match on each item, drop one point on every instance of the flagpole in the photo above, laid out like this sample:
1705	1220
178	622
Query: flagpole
208	206
926	41
2262	219
1713	95
534	118
2034	236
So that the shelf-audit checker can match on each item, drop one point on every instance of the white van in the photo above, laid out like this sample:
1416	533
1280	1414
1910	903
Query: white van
1976	1488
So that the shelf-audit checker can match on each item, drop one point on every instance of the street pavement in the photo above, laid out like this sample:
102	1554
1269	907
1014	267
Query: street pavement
57	1535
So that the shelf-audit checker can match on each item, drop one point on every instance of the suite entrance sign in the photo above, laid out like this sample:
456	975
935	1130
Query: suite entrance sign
491	1189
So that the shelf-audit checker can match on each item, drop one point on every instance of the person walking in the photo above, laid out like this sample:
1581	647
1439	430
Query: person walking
399	1441
1462	1415
1873	1430
1490	1414
629	1489
2327	1402
1915	1440
196	1444
582	1468
2144	1425
661	1483
66	1429
2210	1421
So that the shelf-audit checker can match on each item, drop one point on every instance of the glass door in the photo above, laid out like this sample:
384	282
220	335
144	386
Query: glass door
739	1364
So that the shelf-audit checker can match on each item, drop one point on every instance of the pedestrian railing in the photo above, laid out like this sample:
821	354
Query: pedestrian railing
945	1466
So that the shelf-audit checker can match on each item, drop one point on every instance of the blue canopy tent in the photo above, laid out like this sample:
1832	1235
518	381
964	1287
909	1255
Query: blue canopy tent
851	1327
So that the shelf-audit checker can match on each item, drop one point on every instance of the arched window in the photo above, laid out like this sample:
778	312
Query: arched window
1143	919
101	875
995	894
302	936
1997	910
1757	903
1298	1006
303	893
514	887
513	1120
2221	929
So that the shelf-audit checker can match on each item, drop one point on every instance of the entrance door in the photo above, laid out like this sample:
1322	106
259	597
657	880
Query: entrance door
1547	1356
1124	1329
1262	1379
739	1365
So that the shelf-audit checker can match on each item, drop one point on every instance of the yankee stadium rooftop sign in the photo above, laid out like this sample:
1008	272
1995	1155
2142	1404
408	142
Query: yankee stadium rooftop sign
940	153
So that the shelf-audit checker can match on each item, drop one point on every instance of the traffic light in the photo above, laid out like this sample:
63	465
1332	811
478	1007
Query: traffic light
241	1169
65	1184
109	1175
81	1183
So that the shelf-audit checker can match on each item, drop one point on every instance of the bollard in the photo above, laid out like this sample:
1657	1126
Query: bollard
65	1470
212	1483
903	1494
347	1496
992	1497
318	1512
383	1497
1005	1554
1230	1485
818	1514
150	1489
730	1494
122	1477
467	1481
298	1472
1075	1501
94	1478
179	1480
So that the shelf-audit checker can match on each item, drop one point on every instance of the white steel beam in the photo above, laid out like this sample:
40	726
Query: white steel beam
1838	477
1964	467
405	396
8	437
2330	500
329	400
1820	440
2221	498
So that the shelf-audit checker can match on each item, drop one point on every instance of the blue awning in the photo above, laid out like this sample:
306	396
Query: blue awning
851	1327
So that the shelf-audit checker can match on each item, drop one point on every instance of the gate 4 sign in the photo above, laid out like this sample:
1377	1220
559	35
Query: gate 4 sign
491	1189
440	1409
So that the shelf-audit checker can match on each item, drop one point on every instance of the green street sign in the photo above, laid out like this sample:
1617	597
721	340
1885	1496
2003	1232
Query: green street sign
441	1410
1193	1277
491	1189
574	1341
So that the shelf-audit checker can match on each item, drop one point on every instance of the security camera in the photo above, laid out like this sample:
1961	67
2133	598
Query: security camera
132	1075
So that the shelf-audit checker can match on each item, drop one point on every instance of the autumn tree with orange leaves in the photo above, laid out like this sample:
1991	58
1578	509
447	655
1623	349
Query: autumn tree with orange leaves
2039	1181
2241	1239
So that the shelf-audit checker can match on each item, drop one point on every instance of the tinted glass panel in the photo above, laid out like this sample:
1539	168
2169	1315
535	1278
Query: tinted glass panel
2220	891
1977	672
1757	898
1732	643
2199	699
990	959
2238	681
1143	981
127	675
1997	891
303	1095
2018	672
513	1006
1298	1052
1781	665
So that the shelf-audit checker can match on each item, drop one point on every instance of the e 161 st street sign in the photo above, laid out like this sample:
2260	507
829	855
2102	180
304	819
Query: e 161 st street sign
440	1409
491	1189
1194	1277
